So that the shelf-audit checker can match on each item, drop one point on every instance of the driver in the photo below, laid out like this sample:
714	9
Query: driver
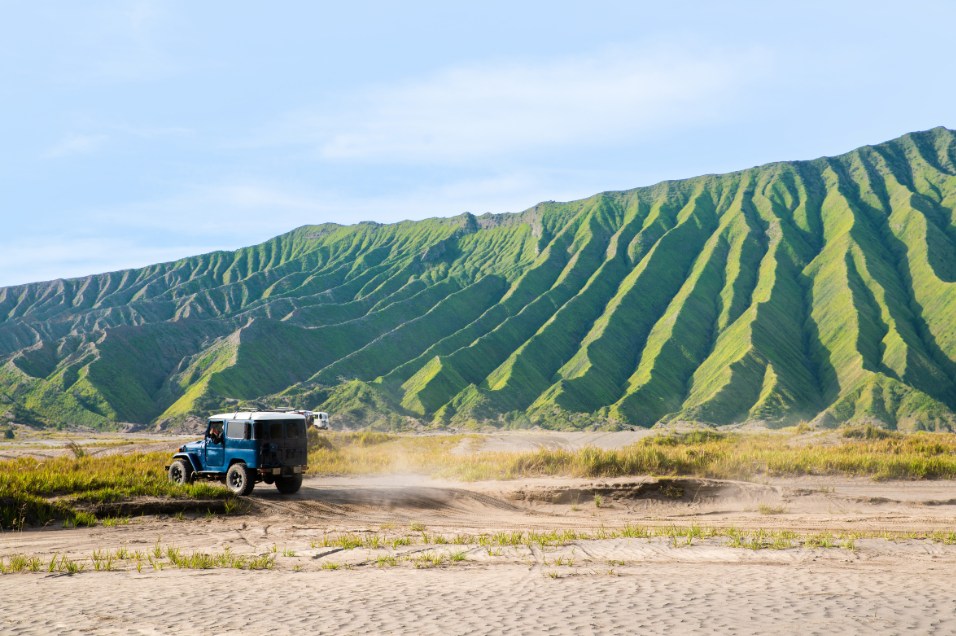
215	432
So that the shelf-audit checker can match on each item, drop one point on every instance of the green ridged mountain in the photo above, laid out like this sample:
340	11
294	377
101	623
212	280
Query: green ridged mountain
819	290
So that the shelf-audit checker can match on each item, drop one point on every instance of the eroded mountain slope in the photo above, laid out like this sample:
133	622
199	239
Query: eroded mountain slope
817	289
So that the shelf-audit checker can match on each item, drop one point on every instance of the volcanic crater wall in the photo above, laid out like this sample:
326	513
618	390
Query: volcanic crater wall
815	290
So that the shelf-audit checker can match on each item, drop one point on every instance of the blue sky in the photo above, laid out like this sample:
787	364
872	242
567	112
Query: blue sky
139	132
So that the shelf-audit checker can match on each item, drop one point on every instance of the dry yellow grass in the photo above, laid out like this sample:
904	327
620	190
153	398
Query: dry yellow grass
38	491
35	492
881	455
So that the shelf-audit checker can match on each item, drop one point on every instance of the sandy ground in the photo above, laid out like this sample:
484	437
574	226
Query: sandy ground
596	585
45	445
703	596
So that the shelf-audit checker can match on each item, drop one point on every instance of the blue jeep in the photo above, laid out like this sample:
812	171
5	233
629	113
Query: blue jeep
243	448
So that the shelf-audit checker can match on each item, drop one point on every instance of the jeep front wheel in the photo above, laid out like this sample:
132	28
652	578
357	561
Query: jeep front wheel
289	485
239	479
180	472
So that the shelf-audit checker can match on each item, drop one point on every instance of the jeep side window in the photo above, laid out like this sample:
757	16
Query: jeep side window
237	430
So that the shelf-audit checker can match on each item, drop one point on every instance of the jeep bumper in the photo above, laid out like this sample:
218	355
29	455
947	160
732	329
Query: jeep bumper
282	470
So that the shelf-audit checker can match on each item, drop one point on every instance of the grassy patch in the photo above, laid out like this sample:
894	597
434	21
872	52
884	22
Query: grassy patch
37	492
860	452
430	560
496	543
64	489
125	559
386	561
767	509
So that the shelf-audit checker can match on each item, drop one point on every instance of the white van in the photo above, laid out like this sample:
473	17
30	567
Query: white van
320	420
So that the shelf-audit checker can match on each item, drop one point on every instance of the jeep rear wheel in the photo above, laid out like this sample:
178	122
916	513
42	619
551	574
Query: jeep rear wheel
289	485
239	479
180	472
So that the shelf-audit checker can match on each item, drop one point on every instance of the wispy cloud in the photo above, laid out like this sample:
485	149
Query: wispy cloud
116	42
245	212
152	132
67	257
237	214
88	143
222	213
493	110
75	144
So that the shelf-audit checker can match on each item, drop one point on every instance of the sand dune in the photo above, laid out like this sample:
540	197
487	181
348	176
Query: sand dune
703	591
593	585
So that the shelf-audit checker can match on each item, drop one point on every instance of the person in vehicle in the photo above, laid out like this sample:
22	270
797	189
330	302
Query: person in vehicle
215	432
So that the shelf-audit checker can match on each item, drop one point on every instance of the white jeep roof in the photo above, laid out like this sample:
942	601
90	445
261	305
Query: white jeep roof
257	415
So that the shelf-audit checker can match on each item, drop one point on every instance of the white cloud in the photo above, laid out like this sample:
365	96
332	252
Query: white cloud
48	258
250	211
153	132
257	196
88	143
236	214
493	110
75	144
116	42
139	17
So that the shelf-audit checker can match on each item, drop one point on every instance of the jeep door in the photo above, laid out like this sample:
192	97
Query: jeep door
214	448
239	443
